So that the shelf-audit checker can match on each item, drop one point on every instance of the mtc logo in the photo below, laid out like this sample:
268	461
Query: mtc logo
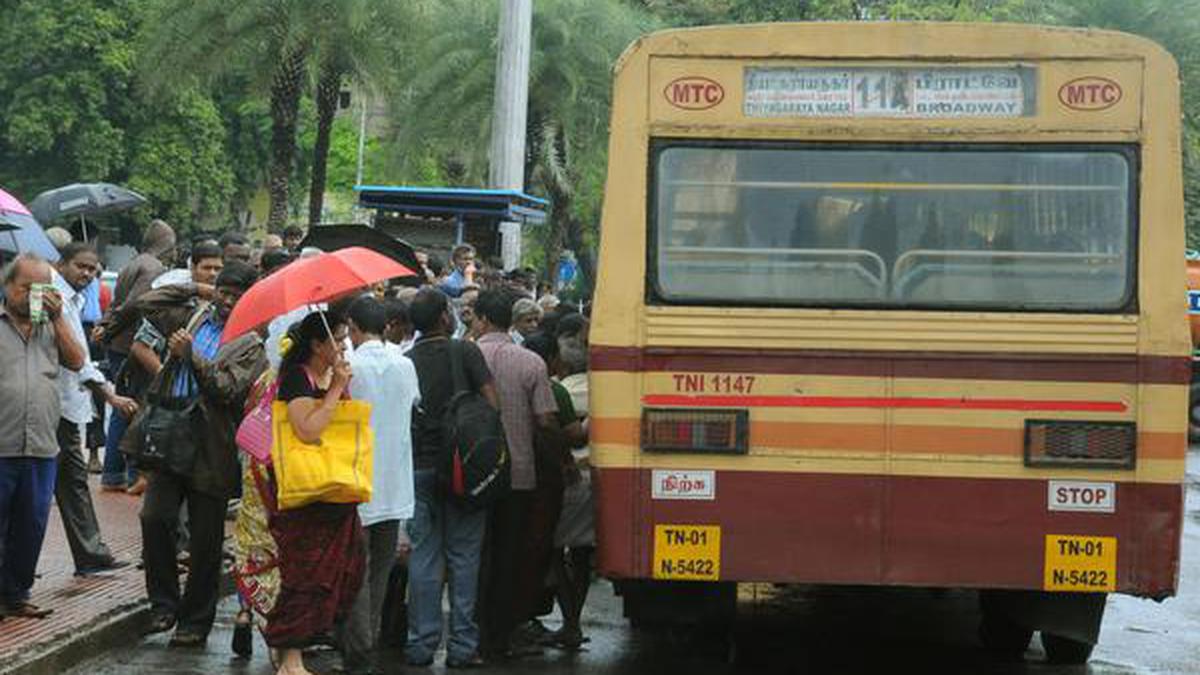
1090	93
694	93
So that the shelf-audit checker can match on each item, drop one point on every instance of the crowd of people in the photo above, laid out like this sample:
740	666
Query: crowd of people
322	574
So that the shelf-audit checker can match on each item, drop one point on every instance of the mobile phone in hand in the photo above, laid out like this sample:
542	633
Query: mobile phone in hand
37	304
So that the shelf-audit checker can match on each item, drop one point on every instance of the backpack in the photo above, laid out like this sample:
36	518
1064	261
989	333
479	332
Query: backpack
476	464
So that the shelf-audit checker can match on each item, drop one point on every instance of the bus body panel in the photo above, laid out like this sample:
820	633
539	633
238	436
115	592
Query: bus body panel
890	530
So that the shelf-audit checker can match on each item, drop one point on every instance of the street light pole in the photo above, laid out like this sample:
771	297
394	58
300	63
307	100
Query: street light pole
509	112
362	149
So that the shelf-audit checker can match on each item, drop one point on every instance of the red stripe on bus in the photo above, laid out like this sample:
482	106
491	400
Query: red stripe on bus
881	402
1125	369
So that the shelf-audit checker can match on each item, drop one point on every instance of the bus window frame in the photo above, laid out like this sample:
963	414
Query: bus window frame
1131	152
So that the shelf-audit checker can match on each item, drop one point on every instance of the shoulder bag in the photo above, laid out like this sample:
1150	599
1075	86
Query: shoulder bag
336	469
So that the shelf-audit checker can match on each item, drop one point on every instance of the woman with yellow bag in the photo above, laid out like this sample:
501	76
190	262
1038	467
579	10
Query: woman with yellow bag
321	546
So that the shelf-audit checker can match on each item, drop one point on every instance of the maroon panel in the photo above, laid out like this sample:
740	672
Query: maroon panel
979	532
896	531
823	528
1158	534
616	494
944	365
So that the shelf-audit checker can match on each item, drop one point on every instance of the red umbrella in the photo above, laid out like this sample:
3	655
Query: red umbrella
309	281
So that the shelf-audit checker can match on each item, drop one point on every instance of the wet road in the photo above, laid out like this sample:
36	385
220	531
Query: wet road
792	630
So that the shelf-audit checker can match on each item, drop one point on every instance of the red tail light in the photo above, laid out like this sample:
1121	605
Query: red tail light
682	430
1110	445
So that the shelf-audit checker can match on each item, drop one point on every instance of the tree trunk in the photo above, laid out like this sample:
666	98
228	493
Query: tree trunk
285	108
559	221
328	89
584	256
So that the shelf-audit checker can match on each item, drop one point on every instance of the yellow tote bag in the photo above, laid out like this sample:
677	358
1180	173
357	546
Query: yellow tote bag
336	469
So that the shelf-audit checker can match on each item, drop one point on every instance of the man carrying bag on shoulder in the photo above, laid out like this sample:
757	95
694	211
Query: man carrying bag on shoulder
446	533
203	387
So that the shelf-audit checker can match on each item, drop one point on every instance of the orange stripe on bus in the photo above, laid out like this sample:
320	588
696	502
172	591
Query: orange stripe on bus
905	439
884	402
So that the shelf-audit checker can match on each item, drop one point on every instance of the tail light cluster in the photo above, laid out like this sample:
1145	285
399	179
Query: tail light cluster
682	430
1111	445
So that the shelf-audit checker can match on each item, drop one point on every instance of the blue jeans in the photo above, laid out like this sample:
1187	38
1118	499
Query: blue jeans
117	471
446	536
26	489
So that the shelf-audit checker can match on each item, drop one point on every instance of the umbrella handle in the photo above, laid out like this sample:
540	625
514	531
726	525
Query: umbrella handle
325	321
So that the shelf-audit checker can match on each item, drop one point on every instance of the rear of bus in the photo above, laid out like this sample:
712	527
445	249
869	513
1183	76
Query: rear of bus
892	304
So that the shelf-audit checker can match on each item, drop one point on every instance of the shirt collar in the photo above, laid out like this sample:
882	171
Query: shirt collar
494	337
370	344
65	289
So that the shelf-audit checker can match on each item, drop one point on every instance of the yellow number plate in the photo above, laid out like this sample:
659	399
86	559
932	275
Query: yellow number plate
687	552
1075	563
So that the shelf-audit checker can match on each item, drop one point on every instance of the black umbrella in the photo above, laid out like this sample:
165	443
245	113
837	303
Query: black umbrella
81	200
336	237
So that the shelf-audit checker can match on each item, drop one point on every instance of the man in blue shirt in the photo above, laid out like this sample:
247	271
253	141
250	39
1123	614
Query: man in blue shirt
220	377
463	276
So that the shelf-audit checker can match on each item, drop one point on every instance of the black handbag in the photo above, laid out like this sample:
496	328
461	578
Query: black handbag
164	433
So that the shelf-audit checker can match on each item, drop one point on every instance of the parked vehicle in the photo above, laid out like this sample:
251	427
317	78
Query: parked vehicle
893	304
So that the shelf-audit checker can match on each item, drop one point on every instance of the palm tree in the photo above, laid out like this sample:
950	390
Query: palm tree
268	42
446	98
356	41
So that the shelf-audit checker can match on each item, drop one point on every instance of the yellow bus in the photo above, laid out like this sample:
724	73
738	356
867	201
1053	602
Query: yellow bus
893	304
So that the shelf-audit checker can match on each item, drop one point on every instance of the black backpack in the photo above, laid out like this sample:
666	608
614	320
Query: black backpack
476	464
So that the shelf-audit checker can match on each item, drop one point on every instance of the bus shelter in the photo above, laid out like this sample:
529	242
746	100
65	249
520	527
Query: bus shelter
438	218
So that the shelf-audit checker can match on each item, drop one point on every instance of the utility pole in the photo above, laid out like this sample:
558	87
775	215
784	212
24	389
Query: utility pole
359	216
509	114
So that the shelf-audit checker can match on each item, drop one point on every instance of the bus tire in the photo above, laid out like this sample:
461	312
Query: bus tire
1004	638
1065	651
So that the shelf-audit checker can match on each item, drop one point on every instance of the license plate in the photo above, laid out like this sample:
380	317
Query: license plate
1080	563
687	552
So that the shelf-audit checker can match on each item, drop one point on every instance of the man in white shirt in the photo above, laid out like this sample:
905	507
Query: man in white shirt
76	269
384	377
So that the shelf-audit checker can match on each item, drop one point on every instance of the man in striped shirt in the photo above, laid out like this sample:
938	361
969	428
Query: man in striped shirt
527	406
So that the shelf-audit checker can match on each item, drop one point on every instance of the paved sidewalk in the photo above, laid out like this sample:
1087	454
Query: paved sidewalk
89	613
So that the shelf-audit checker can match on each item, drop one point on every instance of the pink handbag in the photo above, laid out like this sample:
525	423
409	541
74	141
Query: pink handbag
254	435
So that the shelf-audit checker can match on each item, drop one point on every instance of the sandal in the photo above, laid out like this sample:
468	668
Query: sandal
185	639
160	624
568	640
26	610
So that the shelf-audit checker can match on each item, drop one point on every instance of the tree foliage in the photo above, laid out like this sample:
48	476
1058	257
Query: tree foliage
66	79
177	159
73	111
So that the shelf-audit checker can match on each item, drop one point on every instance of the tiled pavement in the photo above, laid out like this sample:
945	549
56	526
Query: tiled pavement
83	607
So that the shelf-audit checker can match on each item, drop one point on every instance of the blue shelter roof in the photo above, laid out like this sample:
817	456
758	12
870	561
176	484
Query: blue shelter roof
495	205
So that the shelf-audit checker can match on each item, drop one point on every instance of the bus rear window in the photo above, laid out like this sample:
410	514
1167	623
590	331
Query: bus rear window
954	226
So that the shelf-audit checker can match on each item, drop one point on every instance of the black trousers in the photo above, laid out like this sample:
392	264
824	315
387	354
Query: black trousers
75	502
197	607
504	544
360	630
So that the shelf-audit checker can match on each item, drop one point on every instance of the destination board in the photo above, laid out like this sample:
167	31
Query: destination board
779	91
